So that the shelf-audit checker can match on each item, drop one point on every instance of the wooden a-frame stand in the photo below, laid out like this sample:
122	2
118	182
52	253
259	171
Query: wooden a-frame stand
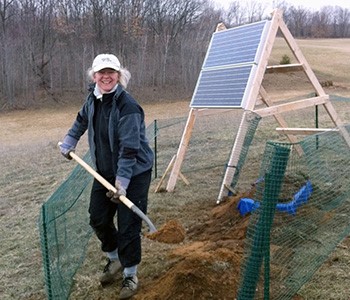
257	90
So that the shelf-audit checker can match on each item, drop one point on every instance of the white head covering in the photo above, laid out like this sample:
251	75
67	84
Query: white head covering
103	61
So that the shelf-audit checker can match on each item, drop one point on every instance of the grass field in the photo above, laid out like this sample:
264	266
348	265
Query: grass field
32	169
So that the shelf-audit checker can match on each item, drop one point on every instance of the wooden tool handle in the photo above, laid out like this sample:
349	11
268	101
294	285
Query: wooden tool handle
112	188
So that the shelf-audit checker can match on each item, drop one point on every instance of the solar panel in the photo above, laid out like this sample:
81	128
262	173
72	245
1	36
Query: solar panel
224	86
229	66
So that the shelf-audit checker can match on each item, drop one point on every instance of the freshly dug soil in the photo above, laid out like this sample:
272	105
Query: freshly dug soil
171	232
207	264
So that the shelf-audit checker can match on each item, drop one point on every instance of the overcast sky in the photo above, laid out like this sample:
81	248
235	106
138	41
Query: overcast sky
312	4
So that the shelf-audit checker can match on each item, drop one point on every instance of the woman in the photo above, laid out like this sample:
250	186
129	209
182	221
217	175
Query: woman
121	154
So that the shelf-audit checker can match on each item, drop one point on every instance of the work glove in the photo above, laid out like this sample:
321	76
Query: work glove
121	191
68	145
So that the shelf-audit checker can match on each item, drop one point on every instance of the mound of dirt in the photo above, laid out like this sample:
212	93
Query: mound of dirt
208	266
171	232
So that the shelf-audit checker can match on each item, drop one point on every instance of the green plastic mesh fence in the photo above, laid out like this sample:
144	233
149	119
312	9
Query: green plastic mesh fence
65	232
299	214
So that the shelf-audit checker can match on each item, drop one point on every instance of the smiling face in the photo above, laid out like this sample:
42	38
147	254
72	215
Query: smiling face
106	79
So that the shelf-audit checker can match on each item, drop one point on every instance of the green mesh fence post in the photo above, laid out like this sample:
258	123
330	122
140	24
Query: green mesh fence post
316	123
260	246
45	251
155	148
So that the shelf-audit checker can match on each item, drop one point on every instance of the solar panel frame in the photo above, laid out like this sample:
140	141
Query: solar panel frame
219	63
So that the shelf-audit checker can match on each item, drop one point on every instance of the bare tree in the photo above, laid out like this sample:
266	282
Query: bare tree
321	22
342	22
297	19
235	15
254	11
167	20
7	11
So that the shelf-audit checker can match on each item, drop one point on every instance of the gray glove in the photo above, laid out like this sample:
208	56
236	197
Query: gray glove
69	143
121	191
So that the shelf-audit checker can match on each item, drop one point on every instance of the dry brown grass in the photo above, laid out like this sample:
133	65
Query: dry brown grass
32	168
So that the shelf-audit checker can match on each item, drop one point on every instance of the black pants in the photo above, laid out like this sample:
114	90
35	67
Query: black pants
127	236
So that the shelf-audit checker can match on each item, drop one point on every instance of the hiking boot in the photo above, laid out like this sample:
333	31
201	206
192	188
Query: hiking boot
129	287
110	271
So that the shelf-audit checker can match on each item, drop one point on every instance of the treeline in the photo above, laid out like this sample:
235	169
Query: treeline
47	45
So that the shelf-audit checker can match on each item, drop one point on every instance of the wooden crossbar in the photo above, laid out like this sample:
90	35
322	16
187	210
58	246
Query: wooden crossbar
284	68
291	106
303	131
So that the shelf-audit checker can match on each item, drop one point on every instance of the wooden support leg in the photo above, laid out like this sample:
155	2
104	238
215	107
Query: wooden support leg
234	157
181	151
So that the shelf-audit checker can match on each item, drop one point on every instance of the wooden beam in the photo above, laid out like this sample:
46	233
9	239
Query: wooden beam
266	53
234	193
303	131
186	136
234	157
280	120
171	163
184	179
220	26
291	106
284	68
